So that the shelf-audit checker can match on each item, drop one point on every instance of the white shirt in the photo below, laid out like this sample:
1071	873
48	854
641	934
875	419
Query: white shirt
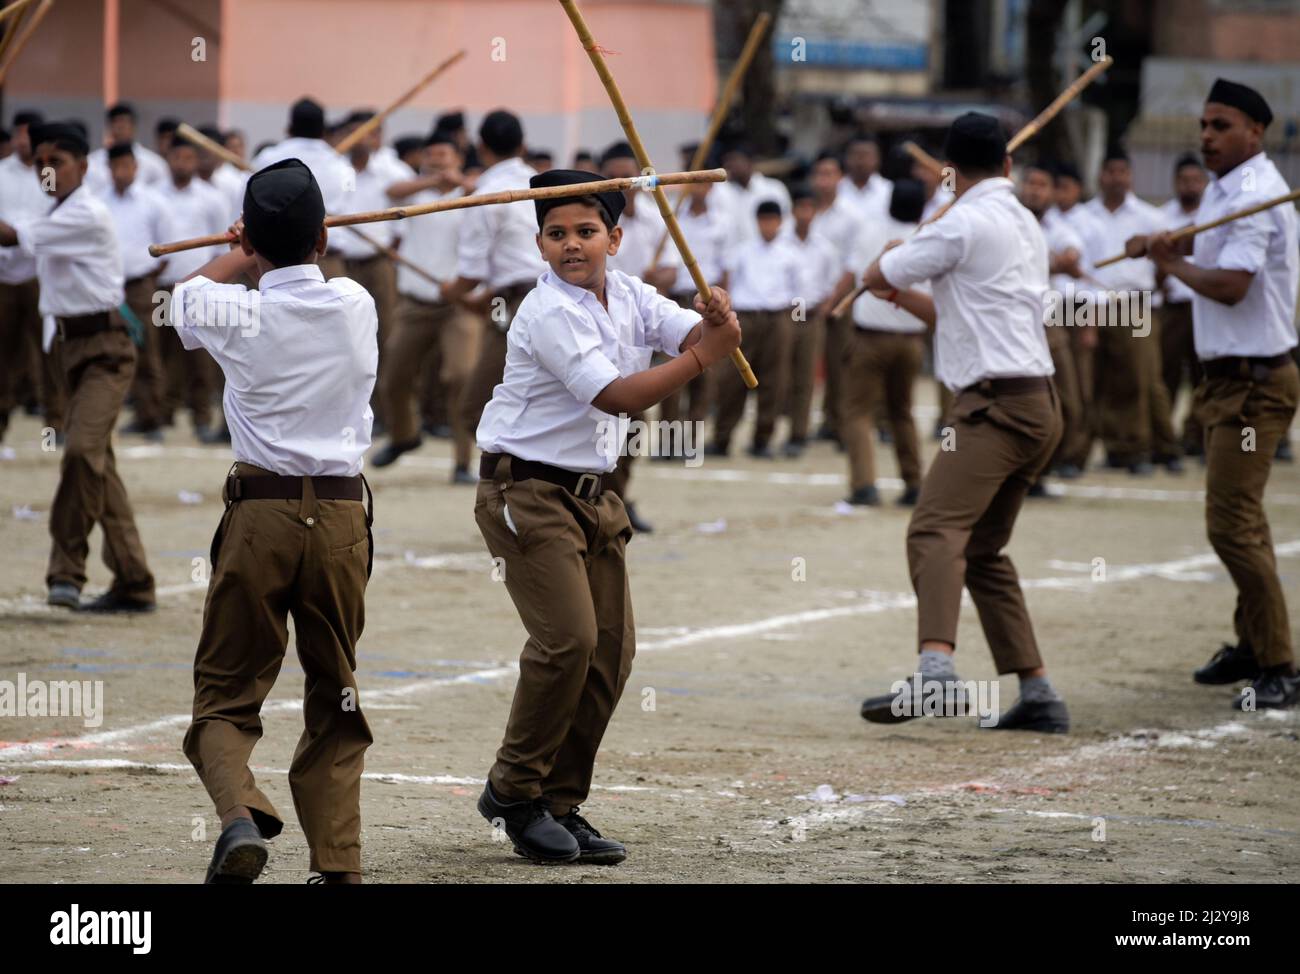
870	200
870	311
763	276
151	169
742	202
1131	218
1060	237
1263	322
197	210
706	235
564	348
229	182
941	198
77	260
300	355
333	173
140	218
429	242
819	266
642	231
498	244
1175	219
839	223
987	262
21	198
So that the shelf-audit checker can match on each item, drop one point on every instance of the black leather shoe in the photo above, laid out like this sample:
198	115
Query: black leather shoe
1069	471
1229	665
1043	716
593	847
1284	453
794	449
211	437
529	825
239	856
1270	691
116	602
917	699
909	497
1171	463
461	475
763	452
716	449
867	496
65	595
388	454
1038	489
639	525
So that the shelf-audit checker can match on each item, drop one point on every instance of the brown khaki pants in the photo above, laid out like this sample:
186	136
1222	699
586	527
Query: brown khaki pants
1074	437
1178	358
691	402
378	276
879	372
1245	418
421	328
1132	401
21	356
274	559
838	331
99	369
150	383
491	364
565	572
964	518
765	342
805	349
191	376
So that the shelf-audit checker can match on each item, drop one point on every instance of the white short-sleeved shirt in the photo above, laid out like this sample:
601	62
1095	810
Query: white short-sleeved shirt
839	223
741	202
642	231
872	199
1175	219
706	234
941	198
986	260
21	198
197	210
870	311
333	173
1060	237
763	276
229	182
369	191
498	244
1263	322
819	266
1132	218
140	217
151	169
299	354
429	242
564	348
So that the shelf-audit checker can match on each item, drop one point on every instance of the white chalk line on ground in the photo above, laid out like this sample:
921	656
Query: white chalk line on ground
874	602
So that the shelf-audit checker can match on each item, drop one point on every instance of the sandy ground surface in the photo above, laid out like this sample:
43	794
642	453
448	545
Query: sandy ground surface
738	754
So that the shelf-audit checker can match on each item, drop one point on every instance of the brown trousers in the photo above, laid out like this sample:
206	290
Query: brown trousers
21	356
191	377
691	402
879	372
150	383
1132	401
423	327
565	570
1178	358
964	518
378	276
99	369
805	348
838	332
490	367
333	265
274	559
1245	418
765	342
1074	438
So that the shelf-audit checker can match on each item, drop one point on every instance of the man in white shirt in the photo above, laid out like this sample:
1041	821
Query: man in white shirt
745	188
862	186
986	261
140	218
300	355
763	277
1068	188
1177	345
81	289
194	209
1133	414
26	370
497	247
122	128
1244	277
221	175
427	323
882	358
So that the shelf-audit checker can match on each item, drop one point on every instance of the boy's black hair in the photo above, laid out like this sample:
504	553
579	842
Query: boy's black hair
306	119
283	212
68	136
6	135
166	125
28	118
440	137
768	208
619	150
502	132
180	142
801	192
907	201
213	133
121	108
119	149
1185	160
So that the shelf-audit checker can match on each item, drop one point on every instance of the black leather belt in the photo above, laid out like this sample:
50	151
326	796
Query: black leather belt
1244	366
887	333
1011	386
83	326
588	486
279	487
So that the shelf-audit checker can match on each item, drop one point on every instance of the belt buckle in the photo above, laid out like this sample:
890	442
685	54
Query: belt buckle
233	488
594	489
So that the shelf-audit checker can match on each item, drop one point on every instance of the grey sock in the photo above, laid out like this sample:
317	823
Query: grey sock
1037	689
934	665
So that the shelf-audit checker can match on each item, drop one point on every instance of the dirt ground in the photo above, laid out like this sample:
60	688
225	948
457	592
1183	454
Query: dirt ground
737	754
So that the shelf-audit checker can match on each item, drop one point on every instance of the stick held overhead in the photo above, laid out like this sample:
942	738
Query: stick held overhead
365	128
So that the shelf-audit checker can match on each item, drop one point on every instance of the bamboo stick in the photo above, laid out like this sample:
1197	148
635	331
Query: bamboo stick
29	25
365	128
13	8
923	157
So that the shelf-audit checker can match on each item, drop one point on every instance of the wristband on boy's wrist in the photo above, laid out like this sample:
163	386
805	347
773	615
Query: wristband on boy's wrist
698	361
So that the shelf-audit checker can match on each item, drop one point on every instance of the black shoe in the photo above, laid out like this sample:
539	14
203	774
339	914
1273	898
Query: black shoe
1171	463
137	428
213	437
917	699
1043	716
794	449
1284	452
1197	450
439	431
1140	468
593	847
1037	490
763	452
885	435
909	497
116	602
1069	471
461	475
529	825
1230	664
828	434
867	496
65	595
202	432
388	454
1270	691
638	525
716	449
239	856
1116	462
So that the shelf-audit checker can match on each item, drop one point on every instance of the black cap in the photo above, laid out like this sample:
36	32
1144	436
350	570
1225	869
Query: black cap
1241	97
1067	170
975	141
306	119
908	201
611	202
283	211
119	149
68	136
